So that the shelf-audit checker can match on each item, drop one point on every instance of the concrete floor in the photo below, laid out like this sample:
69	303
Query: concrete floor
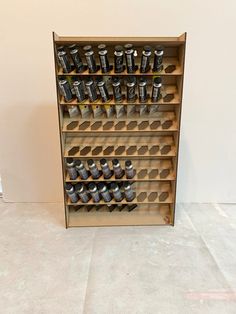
189	268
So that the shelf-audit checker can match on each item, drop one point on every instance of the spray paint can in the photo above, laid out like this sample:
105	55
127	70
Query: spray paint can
64	61
79	90
142	88
70	166
59	48
65	90
118	59
74	53
105	168
130	84
83	173
90	59
102	52
129	169
158	58
103	91
70	191
129	57
118	171
91	89
129	193
82	192
156	89
94	192
117	92
116	192
104	192
145	60
93	169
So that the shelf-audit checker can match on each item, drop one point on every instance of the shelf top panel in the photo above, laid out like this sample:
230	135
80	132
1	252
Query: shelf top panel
113	40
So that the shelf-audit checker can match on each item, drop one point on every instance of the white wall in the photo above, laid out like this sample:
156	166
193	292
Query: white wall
30	163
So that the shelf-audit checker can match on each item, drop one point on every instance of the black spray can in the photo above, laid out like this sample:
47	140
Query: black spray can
118	171
129	193
142	89
116	192
94	192
64	61
117	89
70	191
103	91
90	59
70	165
145	60
158	56
105	169
104	192
156	89
118	59
77	59
82	192
131	96
129	57
102	52
83	173
59	48
79	90
91	89
93	169
65	90
129	169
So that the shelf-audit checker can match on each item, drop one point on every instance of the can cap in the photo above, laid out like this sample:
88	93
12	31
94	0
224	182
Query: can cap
101	185
116	80
72	46
103	161
159	48
87	48
142	80
100	83
115	162
118	48
60	48
114	185
90	162
78	162
102	47
128	163
128	46
68	186
126	184
91	186
69	160
131	79
147	48
157	80
79	187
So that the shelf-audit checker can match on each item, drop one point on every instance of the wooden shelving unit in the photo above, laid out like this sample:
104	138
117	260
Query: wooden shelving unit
150	141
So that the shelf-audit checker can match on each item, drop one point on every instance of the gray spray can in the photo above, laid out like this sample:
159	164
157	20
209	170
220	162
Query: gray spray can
129	169
116	192
70	191
70	166
129	193
105	168
82	192
83	173
93	169
94	192
104	192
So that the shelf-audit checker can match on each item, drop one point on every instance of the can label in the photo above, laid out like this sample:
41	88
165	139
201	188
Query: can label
118	63
90	62
129	60
144	62
103	61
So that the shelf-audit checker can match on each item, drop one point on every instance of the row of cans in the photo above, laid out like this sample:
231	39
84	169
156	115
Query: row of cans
100	191
69	58
88	89
76	168
109	207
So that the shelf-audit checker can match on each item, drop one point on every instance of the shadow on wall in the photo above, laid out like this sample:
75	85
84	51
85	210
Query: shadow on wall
36	173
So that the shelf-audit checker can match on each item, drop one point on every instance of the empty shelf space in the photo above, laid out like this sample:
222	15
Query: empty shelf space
102	215
145	170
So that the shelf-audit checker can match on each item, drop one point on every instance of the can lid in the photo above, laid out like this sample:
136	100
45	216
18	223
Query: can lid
118	48
102	47
100	185
128	163
126	184
128	46
91	186
147	48
68	186
131	79
69	160
87	48
72	46
157	80
103	161
114	185
78	162
60	48
115	162
142	80
159	48
90	162
100	83
116	79
79	187
77	82
89	82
